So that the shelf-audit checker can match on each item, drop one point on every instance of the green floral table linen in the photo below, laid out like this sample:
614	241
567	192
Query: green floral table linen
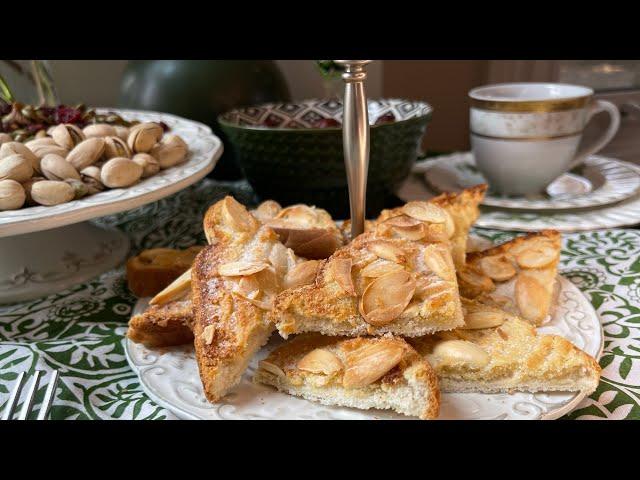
80	331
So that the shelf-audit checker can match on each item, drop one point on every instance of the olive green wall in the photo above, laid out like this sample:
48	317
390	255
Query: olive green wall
96	82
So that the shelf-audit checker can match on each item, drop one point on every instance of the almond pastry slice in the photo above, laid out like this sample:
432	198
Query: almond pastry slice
523	270
447	217
309	231
509	356
233	286
375	297
382	372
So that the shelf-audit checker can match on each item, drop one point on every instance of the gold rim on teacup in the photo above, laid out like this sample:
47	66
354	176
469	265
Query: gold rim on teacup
513	104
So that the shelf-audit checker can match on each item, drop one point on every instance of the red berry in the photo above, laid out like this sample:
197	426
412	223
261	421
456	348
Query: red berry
388	117
326	123
66	114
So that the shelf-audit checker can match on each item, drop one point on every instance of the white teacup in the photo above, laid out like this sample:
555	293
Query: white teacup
525	135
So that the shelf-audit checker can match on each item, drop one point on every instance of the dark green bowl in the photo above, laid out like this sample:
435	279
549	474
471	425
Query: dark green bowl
292	162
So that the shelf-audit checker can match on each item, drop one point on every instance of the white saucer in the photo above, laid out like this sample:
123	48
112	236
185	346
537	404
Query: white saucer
169	376
601	181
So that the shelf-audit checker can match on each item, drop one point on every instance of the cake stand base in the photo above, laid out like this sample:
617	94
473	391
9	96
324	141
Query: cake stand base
37	264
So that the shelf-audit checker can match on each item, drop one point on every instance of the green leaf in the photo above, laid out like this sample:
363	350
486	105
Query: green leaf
7	353
605	360
625	367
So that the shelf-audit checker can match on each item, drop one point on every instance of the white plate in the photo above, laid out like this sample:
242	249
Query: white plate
602	181
205	150
621	214
170	377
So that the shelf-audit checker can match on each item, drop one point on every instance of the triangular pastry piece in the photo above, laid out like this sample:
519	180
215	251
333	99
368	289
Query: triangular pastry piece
163	325
498	352
233	282
379	283
462	209
519	274
365	372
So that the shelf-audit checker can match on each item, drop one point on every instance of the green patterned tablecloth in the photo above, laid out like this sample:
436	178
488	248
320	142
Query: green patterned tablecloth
80	331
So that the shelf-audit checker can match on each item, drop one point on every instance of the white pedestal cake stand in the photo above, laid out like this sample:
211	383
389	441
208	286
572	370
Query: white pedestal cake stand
44	250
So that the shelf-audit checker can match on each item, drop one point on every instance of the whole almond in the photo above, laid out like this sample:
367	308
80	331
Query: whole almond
12	195
50	192
120	172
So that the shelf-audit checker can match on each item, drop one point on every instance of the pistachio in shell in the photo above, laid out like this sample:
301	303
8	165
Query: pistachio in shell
67	135
27	189
121	132
51	192
12	148
41	134
149	164
15	167
5	137
86	153
37	142
99	130
120	172
92	171
144	136
171	151
80	189
54	167
43	150
115	147
12	195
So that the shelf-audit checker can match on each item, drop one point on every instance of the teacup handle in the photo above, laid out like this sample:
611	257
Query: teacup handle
598	106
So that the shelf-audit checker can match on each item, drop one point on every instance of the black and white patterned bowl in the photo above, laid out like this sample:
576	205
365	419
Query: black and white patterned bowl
286	158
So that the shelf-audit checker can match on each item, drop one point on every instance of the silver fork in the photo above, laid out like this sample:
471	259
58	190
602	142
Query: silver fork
14	398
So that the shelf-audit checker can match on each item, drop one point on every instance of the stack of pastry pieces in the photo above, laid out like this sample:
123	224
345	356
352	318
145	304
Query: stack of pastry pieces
373	322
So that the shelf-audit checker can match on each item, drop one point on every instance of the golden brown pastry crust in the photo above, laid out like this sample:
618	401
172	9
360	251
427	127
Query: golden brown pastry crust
282	369
524	271
463	207
327	306
517	359
163	325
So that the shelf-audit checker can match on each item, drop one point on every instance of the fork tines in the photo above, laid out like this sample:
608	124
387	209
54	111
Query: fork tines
27	405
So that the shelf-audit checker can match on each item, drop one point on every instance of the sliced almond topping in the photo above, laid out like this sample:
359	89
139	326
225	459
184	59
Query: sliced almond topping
449	225
248	287
473	282
279	258
271	368
460	353
207	334
179	288
371	362
299	215
267	210
320	361
238	216
264	303
380	267
537	257
235	269
434	258
426	212
302	274
269	281
387	250
386	297
531	298
498	267
341	271
483	319
430	287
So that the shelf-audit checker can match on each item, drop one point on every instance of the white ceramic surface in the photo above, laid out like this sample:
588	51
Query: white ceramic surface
521	152
34	265
205	150
170	377
603	181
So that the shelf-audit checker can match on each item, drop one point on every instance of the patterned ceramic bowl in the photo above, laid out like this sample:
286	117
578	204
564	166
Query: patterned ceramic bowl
293	153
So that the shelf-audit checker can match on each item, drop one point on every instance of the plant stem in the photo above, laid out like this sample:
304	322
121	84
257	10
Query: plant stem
5	91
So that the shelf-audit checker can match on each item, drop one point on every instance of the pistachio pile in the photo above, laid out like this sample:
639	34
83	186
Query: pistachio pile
66	163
